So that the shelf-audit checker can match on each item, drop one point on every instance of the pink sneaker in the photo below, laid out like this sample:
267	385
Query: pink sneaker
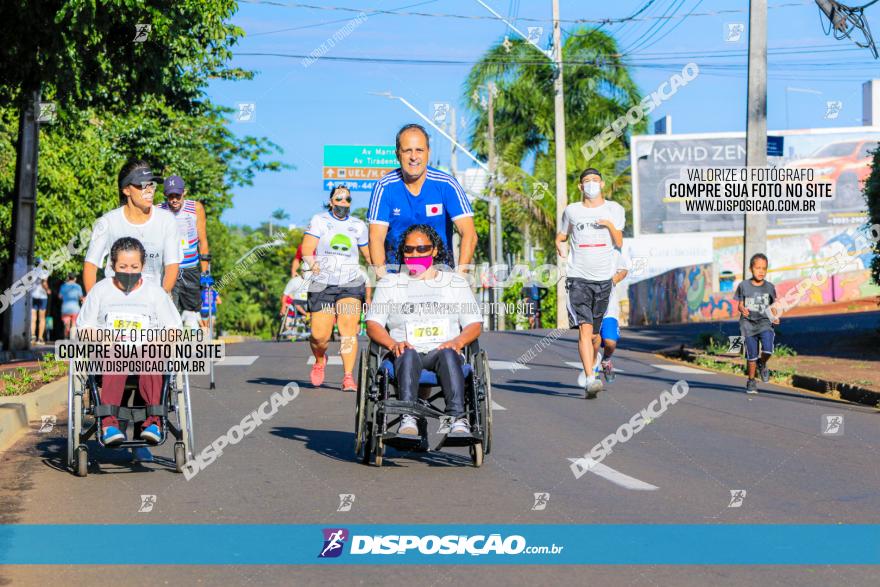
317	374
348	383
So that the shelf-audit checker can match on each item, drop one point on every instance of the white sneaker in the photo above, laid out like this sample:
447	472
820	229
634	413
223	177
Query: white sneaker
408	426
582	380
460	426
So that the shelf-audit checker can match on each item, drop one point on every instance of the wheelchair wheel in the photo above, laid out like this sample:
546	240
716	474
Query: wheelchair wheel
81	467
360	414
486	407
71	445
380	451
477	454
179	456
184	415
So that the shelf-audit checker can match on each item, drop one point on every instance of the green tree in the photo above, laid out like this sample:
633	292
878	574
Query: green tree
872	195
597	89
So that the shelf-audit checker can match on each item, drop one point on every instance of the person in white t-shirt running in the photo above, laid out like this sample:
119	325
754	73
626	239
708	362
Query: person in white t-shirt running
592	229
431	315
338	288
154	228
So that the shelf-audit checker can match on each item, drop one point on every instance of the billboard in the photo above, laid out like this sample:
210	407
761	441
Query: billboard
842	155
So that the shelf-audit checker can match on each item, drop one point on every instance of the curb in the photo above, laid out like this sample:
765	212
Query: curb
231	339
833	389
16	412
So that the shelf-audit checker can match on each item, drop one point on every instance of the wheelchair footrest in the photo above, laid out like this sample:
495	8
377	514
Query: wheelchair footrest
417	408
458	440
130	414
403	442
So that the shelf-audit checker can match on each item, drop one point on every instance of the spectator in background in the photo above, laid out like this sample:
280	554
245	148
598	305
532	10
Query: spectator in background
71	295
39	303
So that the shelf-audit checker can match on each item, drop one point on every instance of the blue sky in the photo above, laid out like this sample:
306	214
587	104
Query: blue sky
303	108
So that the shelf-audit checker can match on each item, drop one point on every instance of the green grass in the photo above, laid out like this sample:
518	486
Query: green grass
22	380
783	350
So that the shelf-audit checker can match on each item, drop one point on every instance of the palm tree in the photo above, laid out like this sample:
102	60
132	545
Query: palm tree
597	89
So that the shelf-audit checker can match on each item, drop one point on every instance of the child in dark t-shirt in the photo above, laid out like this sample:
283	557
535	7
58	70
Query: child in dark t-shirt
755	296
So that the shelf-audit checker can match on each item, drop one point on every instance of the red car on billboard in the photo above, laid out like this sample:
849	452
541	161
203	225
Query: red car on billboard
848	164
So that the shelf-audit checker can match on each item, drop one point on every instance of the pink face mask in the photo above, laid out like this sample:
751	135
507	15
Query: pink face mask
418	265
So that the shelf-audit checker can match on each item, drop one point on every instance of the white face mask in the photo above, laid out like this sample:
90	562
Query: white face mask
592	189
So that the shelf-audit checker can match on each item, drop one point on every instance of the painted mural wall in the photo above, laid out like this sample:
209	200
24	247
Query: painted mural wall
694	293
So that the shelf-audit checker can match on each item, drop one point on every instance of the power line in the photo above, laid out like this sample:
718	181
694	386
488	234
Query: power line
492	17
656	27
667	33
326	22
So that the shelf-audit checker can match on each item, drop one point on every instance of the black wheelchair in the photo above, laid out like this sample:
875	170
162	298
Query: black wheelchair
378	409
84	411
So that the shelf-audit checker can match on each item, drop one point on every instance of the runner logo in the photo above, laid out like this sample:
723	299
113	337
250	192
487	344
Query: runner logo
541	500
736	498
47	423
735	345
147	503
334	540
832	425
346	500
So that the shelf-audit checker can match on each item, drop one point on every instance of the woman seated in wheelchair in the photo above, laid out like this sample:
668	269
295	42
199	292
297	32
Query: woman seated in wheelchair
125	298
430	314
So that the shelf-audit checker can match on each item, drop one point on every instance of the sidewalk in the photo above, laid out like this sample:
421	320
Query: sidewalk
834	351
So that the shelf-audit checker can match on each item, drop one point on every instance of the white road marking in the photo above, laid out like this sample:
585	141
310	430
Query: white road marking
579	365
508	365
331	360
497	406
236	361
616	477
682	369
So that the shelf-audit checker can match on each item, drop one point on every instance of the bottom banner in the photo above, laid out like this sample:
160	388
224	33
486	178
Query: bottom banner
532	544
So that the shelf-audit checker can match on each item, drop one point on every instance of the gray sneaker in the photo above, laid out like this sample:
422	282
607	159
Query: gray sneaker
409	426
751	387
765	372
460	426
592	389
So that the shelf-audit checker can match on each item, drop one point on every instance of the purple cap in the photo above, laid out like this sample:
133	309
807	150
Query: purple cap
173	185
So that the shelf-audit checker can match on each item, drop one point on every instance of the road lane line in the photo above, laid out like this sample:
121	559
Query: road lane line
507	365
682	369
331	360
497	406
236	361
616	477
580	366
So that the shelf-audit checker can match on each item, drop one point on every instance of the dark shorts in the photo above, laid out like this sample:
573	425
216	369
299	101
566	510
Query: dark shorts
187	291
326	299
587	301
39	303
766	342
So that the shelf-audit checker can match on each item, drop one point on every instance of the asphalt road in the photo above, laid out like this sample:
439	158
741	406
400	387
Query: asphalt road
681	468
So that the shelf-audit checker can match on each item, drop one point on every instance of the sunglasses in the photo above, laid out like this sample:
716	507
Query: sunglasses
417	248
342	199
145	185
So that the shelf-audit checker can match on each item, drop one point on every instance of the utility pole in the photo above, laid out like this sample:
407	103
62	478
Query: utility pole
559	138
755	228
15	321
494	229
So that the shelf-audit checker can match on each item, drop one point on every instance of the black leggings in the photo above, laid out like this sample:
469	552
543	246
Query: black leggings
446	363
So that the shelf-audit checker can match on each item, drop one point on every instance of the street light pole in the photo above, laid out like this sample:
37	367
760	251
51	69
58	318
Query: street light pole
561	182
755	226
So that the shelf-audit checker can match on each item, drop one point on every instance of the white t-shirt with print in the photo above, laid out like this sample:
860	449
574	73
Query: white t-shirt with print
158	235
107	306
621	262
339	243
591	249
425	312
